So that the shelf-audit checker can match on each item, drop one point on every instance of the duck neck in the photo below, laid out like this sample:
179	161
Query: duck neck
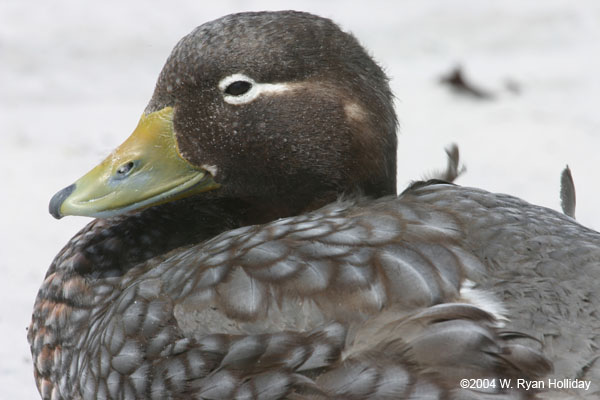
112	246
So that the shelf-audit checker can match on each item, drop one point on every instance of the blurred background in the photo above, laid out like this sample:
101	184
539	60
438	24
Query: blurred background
75	77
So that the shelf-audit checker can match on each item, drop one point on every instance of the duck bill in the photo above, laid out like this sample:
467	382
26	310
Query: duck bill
146	170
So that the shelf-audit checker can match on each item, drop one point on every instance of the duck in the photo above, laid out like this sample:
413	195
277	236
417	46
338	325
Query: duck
248	243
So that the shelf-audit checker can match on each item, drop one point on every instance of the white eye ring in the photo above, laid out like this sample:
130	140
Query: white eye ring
256	89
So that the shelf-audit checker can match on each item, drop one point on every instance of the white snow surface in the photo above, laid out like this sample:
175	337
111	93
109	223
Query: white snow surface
75	77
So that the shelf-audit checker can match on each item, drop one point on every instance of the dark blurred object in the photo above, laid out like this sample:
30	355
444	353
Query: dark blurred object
567	192
513	86
460	84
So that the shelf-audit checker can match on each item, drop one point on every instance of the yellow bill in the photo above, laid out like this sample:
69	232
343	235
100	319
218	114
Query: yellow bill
146	170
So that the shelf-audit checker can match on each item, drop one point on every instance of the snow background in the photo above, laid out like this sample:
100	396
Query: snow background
75	77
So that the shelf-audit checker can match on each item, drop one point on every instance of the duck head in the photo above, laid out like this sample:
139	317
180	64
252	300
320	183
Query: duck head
281	109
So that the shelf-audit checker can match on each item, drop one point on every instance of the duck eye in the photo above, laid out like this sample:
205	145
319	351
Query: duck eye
238	88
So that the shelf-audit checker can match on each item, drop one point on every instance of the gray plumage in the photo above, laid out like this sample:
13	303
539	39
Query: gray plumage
396	265
568	200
